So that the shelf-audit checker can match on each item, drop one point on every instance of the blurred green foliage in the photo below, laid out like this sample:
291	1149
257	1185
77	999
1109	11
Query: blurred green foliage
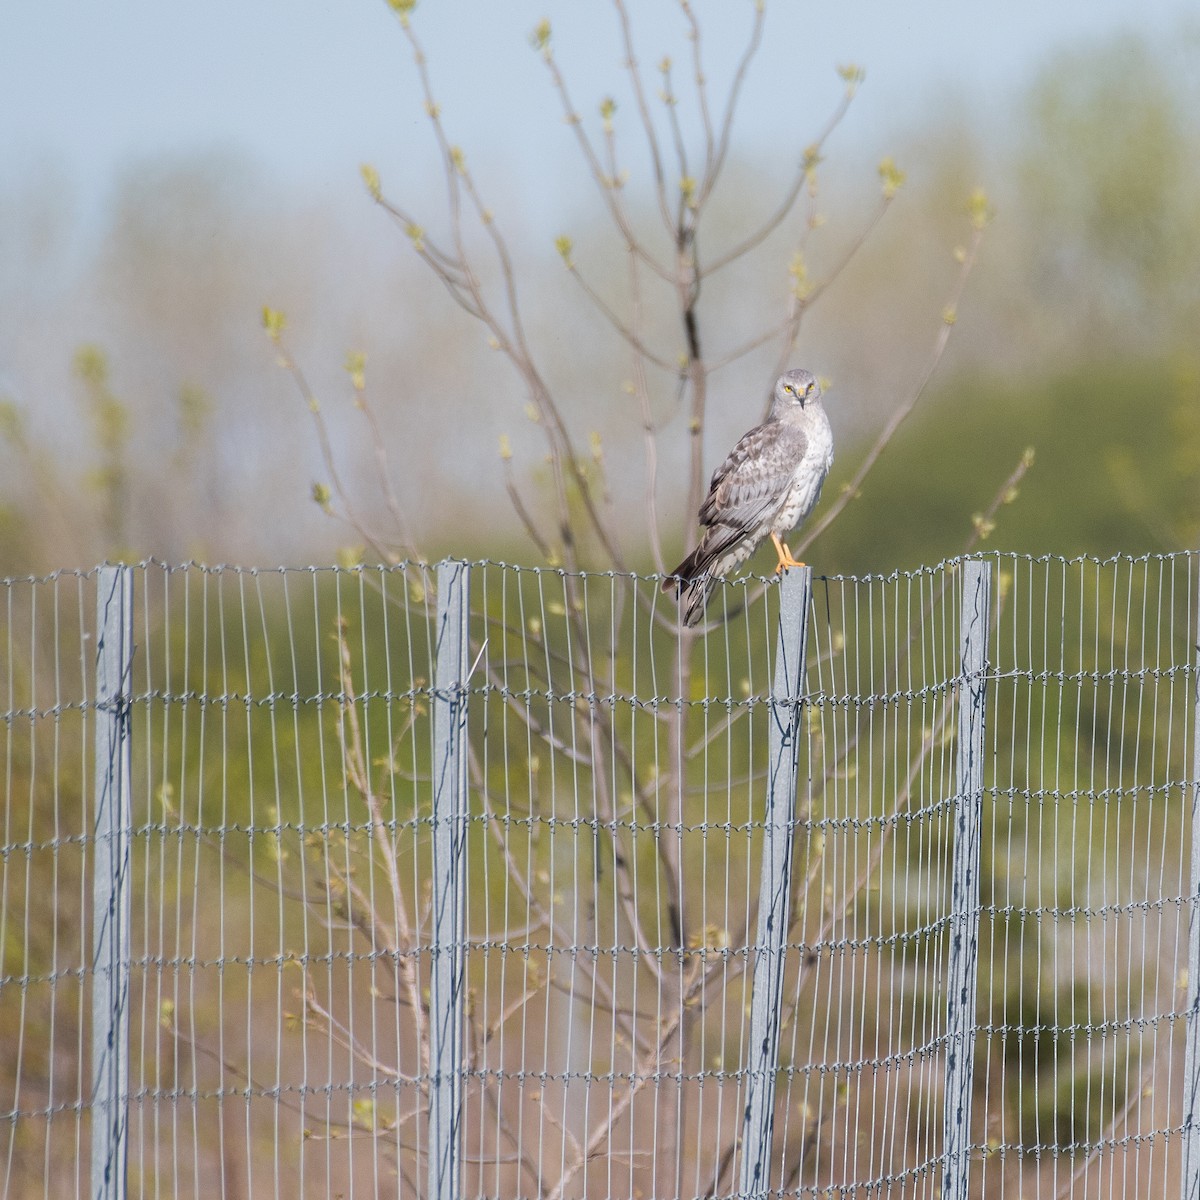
1110	173
1116	467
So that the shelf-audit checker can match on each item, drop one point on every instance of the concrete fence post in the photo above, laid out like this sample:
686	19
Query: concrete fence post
963	961
447	974
775	884
111	901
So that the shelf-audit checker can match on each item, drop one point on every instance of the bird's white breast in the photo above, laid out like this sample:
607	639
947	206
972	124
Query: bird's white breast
808	477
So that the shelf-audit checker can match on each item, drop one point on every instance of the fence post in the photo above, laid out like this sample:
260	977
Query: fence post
1190	1185
111	899
963	966
446	984
775	883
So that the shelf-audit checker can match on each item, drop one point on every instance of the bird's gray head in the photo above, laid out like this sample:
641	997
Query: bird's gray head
793	391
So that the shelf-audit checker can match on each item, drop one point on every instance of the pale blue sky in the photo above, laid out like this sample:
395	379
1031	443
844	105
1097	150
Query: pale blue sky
307	91
311	89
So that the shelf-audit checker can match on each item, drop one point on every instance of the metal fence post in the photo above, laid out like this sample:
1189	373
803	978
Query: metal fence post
775	883
963	966
446	984
110	882
1190	1183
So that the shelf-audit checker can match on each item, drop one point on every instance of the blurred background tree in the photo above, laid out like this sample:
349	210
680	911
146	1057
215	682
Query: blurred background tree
1090	258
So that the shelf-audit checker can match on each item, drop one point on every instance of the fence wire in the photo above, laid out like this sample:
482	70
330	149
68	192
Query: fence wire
292	990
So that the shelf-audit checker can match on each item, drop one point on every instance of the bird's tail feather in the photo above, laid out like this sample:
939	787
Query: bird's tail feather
693	583
697	563
693	598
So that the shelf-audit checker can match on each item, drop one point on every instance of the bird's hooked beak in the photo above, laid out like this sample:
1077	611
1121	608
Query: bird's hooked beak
802	396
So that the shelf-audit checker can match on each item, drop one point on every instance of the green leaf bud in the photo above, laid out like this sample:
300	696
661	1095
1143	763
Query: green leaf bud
356	368
978	208
852	74
893	178
370	177
274	322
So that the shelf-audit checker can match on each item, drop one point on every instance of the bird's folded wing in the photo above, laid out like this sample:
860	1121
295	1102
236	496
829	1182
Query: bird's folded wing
755	479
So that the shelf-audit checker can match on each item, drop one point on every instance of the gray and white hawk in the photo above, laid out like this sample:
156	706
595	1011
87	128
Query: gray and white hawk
769	484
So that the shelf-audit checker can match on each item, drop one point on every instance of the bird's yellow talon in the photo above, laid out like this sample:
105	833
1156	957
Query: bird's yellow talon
786	558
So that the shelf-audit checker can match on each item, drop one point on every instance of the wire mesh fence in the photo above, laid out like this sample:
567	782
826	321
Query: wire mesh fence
486	881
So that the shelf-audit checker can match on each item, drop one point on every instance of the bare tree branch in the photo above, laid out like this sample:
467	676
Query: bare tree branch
898	417
602	307
609	184
808	164
639	92
701	86
731	103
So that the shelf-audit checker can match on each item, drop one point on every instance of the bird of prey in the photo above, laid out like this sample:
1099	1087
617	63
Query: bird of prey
766	487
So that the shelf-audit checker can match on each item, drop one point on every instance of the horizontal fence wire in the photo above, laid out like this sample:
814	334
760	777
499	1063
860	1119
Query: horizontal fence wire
284	878
1087	850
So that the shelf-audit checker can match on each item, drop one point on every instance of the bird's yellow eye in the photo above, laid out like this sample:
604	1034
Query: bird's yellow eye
787	387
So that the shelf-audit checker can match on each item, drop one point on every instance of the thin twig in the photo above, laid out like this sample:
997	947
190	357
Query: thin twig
701	86
344	1038
789	327
509	339
355	519
383	470
609	184
639	92
627	334
731	104
523	514
807	165
671	102
851	489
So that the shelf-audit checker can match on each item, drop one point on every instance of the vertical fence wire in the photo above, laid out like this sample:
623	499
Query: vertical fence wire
283	848
284	943
1190	1174
865	1036
1083	947
47	666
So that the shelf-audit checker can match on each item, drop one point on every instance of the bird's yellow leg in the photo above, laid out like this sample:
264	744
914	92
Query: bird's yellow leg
785	555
